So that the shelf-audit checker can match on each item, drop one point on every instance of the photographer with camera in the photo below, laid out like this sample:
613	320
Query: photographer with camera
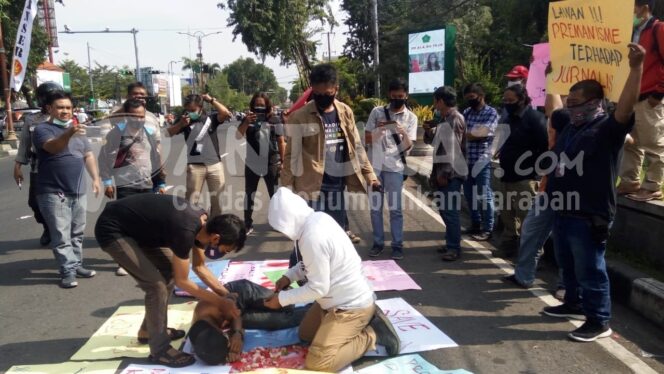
264	132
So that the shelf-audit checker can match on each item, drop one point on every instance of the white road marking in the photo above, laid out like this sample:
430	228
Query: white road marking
23	217
613	347
224	155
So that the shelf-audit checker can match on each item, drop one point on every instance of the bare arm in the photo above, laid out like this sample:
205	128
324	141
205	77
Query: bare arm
59	144
281	143
222	112
630	94
179	126
204	273
93	170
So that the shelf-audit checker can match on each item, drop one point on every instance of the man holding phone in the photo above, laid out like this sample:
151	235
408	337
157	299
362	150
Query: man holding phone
389	134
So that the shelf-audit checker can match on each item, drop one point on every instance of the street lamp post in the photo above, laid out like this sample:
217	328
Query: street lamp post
199	35
171	88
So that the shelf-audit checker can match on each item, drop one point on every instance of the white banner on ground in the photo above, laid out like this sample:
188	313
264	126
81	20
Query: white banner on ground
417	334
22	46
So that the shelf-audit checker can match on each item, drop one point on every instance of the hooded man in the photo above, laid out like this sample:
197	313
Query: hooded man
343	323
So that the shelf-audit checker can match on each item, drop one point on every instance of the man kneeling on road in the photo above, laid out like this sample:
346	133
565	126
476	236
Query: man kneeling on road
215	346
344	322
143	233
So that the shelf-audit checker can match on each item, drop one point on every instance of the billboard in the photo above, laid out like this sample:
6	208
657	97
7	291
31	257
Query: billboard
426	53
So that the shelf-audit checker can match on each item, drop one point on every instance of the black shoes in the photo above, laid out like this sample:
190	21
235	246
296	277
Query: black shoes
565	311
385	333
590	331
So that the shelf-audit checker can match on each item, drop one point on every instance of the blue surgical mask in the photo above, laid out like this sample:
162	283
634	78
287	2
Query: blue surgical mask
61	123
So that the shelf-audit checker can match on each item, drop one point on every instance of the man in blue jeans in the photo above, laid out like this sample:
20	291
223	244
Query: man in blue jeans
390	133
63	153
589	149
449	167
481	122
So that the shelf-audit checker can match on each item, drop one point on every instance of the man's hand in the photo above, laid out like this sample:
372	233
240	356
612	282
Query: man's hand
184	121
235	344
228	309
96	187
161	191
376	186
206	97
282	283
18	173
110	192
636	55
272	302
249	118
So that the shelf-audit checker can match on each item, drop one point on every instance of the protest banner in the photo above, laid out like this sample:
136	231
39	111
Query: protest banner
589	40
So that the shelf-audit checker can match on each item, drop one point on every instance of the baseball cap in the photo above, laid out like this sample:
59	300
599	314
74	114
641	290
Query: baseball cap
518	71
210	344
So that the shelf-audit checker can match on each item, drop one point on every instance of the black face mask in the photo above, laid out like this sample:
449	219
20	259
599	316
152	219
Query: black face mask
397	103
474	103
323	101
512	108
260	110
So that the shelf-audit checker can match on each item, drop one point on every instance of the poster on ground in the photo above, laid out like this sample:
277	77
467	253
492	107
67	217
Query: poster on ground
589	40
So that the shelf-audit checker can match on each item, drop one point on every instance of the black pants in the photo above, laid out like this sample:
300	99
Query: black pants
254	313
251	179
32	199
122	192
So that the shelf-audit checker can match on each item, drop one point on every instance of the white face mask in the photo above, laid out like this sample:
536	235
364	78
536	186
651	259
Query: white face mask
513	83
61	123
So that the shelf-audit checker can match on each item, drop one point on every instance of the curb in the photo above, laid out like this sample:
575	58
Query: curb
629	287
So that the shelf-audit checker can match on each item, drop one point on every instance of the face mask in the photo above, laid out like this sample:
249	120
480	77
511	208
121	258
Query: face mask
136	123
260	110
213	253
323	101
512	108
60	123
474	103
637	21
586	112
397	103
513	83
194	116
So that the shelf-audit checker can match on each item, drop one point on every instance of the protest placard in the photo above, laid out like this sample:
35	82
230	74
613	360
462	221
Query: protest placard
589	40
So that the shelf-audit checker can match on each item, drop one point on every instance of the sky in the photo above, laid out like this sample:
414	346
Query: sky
159	22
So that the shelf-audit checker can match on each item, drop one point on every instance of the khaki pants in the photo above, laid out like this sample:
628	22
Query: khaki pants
197	174
517	198
338	337
152	270
648	135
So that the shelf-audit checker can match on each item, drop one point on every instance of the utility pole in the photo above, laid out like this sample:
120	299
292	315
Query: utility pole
47	23
92	88
199	35
374	17
11	135
107	31
329	46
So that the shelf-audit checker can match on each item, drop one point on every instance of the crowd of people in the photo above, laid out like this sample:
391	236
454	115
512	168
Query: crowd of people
557	170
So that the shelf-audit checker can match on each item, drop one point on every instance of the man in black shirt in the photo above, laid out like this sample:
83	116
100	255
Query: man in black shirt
527	140
584	178
152	237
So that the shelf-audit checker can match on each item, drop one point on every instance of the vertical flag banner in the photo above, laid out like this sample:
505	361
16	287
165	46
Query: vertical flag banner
589	41
22	46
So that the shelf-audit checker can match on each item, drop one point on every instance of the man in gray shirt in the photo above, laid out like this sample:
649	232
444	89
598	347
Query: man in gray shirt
27	154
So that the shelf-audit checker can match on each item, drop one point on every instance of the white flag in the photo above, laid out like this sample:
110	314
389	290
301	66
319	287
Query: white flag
22	46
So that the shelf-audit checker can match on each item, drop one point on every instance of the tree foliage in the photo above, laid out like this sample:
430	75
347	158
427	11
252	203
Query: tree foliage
245	75
10	12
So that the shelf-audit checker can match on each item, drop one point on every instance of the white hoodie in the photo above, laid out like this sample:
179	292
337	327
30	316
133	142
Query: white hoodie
329	260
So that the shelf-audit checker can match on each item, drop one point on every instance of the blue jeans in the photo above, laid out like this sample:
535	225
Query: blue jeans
581	258
392	187
535	230
479	195
65	218
449	206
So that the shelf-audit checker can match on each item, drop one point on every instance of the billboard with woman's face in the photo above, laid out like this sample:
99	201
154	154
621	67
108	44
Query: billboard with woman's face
426	51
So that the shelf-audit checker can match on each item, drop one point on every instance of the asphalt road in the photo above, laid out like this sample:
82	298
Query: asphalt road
499	328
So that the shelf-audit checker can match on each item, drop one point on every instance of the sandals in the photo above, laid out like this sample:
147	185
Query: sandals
172	333
451	256
172	358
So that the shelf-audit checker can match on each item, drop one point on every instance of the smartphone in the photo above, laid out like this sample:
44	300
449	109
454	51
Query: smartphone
261	117
386	123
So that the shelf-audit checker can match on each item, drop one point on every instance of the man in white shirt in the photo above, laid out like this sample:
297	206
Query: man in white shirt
344	322
81	116
390	133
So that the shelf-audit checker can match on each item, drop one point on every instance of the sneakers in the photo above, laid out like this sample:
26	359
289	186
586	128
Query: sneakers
442	249
353	238
68	281
474	230
590	331
385	333
82	272
375	251
45	238
512	279
482	237
121	272
397	254
565	311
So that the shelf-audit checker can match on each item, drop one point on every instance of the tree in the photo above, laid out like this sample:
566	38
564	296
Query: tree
280	96
246	75
11	12
80	86
219	88
274	28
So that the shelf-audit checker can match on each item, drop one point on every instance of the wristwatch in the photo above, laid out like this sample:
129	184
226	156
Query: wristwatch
240	331
212	100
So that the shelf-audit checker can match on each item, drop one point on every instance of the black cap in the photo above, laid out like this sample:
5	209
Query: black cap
210	343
